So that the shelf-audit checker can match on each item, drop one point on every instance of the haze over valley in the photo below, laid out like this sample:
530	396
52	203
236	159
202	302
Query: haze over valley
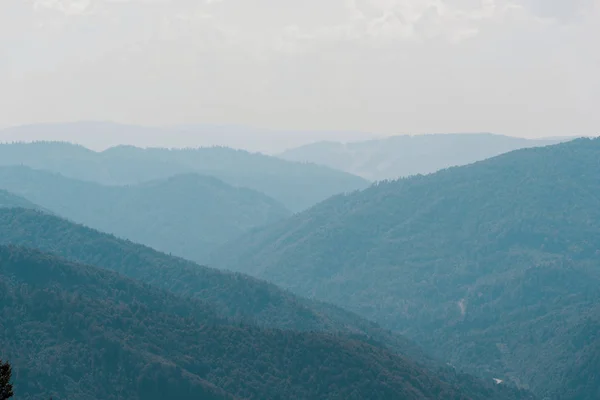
271	200
402	155
426	272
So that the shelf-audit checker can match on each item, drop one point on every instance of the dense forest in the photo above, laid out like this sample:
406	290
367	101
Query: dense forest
8	199
188	215
234	295
101	335
296	185
481	280
488	265
299	200
6	387
405	155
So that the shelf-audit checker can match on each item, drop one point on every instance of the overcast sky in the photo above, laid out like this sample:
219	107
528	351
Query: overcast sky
518	67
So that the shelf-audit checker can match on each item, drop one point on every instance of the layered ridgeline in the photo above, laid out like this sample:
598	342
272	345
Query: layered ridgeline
99	334
10	200
66	327
104	134
233	295
401	156
187	215
296	185
489	265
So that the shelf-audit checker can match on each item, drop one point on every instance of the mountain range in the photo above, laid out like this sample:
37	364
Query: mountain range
11	200
401	156
169	333
473	282
188	215
101	135
491	266
234	295
296	185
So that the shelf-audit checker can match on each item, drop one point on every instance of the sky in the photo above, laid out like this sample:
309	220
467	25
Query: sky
517	67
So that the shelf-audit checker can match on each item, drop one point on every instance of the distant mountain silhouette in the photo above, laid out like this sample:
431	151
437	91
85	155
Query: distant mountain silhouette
100	135
401	156
489	265
187	215
296	185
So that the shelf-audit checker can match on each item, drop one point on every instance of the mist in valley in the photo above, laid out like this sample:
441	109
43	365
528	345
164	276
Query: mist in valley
362	199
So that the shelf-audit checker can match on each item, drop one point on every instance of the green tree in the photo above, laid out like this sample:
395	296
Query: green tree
6	389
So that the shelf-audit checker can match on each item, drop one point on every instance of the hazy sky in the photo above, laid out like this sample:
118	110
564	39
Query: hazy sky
520	67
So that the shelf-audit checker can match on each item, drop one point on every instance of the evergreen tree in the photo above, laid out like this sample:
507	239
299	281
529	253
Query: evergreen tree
6	389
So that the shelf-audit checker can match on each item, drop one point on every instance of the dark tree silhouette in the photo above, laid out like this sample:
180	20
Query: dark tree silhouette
6	389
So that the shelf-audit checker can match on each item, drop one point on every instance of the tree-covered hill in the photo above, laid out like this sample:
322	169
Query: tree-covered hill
581	379
8	199
187	215
488	265
234	295
76	331
64	328
296	185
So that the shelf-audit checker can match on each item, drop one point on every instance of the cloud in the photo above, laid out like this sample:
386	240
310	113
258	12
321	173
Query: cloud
513	66
295	26
68	7
289	25
560	10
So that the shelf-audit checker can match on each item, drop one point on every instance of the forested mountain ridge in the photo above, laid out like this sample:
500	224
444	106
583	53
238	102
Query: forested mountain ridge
295	185
401	156
106	336
486	264
577	381
234	295
8	199
187	215
99	335
77	315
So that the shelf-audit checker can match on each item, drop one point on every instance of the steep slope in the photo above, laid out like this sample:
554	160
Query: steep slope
401	156
65	328
8	199
577	382
234	295
74	331
487	265
296	185
187	215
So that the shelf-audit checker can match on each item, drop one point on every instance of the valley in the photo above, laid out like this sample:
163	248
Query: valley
474	282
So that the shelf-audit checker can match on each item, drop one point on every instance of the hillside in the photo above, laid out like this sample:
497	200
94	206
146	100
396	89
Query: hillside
99	335
577	382
8	199
187	215
233	295
402	156
80	318
296	185
487	265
